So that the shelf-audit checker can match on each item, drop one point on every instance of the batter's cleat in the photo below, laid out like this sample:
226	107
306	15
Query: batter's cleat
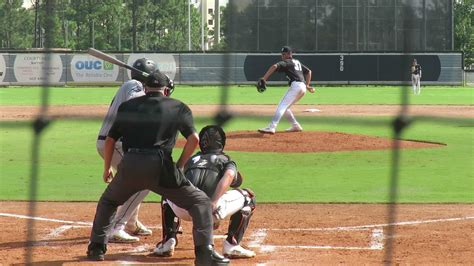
267	130
206	255
120	236
96	251
296	128
165	249
236	251
138	229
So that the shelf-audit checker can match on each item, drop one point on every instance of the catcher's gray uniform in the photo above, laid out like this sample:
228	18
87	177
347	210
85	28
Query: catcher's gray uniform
128	212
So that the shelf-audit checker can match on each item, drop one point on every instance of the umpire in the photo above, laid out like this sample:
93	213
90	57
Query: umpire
148	126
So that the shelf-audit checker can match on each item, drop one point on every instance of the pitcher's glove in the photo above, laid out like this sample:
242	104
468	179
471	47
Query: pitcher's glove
261	85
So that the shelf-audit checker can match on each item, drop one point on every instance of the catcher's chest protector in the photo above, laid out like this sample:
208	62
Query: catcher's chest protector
206	170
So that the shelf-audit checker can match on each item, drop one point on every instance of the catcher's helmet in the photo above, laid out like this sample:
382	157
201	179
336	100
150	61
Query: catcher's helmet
144	64
212	139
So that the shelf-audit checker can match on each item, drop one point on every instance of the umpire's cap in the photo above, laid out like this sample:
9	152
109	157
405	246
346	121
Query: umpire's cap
157	80
286	49
212	139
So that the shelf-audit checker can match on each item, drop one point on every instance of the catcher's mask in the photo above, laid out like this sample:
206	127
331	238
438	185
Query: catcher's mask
212	139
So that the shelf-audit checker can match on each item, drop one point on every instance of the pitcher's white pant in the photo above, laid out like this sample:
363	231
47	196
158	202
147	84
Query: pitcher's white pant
415	81
295	92
231	202
128	212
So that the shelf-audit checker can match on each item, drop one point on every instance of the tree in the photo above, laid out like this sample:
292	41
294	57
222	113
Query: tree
15	25
463	29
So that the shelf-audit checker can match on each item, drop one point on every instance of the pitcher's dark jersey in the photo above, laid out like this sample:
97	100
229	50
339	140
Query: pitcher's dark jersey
206	170
416	69
293	69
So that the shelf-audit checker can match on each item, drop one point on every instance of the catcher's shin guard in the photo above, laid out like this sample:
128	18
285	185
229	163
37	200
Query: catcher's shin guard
170	222
239	221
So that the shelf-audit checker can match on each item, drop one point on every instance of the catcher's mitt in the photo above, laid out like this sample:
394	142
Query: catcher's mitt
261	85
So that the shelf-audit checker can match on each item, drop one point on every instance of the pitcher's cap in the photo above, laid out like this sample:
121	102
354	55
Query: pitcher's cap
286	49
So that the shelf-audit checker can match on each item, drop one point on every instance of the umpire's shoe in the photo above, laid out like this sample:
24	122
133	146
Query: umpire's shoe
206	255
96	251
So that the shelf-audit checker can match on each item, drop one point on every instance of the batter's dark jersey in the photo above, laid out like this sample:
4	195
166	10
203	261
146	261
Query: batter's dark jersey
293	69
152	121
416	69
206	170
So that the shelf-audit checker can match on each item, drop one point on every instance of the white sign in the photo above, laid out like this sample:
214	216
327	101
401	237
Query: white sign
165	63
3	68
87	68
31	68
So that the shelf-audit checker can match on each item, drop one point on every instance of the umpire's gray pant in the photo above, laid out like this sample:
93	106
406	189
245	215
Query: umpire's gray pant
143	171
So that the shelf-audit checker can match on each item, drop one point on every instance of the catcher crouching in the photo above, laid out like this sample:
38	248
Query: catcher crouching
213	172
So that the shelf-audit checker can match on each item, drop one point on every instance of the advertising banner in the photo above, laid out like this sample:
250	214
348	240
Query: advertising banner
3	69
89	69
165	62
31	68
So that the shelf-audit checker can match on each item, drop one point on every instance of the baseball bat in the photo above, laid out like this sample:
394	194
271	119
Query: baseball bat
113	60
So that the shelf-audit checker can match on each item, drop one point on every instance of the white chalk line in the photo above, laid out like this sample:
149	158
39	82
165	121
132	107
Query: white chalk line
43	219
376	242
342	228
259	235
377	235
56	232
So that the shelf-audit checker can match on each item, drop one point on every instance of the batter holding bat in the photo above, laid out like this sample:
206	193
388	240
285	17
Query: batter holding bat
299	79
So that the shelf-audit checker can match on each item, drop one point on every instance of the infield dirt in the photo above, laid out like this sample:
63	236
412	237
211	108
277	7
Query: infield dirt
281	234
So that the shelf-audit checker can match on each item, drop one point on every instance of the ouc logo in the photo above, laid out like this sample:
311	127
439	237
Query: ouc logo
97	65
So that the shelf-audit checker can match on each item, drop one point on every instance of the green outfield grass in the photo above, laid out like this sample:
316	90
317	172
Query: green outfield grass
70	168
246	95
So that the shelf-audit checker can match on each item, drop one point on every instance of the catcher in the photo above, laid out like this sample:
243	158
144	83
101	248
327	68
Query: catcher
212	171
299	79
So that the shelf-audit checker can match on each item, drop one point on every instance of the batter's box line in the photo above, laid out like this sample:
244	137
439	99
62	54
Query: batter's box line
376	242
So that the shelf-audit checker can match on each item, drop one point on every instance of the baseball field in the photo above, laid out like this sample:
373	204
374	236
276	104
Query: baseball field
324	195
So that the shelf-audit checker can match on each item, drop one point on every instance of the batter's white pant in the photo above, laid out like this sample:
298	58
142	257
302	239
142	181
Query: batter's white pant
231	202
295	92
415	82
128	212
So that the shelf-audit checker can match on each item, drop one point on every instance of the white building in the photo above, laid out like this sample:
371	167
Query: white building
210	11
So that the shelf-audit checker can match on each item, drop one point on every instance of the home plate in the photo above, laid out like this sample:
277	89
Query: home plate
312	110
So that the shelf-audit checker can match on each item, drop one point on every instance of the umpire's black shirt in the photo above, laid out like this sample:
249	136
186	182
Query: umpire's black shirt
152	121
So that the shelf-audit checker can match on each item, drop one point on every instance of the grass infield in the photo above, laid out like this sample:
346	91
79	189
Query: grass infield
70	168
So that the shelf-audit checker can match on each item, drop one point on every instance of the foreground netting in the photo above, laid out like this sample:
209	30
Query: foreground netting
399	124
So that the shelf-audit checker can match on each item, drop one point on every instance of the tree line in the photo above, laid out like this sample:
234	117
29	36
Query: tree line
127	25
144	25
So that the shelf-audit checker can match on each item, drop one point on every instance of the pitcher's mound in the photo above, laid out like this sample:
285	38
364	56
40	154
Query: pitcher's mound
310	141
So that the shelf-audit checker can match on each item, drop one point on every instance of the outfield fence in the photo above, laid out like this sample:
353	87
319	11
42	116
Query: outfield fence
78	68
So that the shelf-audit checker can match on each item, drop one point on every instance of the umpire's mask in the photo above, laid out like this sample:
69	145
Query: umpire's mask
212	139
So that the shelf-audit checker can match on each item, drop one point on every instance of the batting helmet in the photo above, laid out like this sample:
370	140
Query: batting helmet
212	139
144	64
